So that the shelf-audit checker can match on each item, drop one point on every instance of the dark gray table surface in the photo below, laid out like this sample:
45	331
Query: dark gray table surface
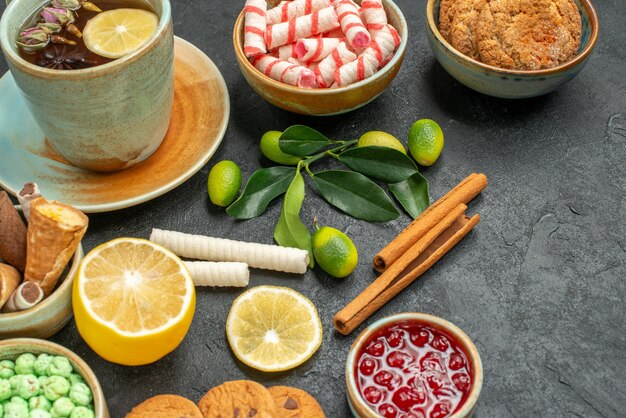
539	285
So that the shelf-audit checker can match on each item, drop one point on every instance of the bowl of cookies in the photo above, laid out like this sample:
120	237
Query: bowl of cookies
40	252
512	49
319	57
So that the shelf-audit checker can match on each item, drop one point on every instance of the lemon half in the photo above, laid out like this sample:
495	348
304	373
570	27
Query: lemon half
133	301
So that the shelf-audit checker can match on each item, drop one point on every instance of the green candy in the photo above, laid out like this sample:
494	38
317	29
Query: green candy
80	394
60	366
42	363
56	387
27	386
39	402
20	401
81	412
25	364
76	378
42	381
1	410
13	381
62	407
7	369
15	410
5	390
38	413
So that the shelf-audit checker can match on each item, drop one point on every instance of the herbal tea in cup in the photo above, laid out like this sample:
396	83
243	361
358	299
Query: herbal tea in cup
97	75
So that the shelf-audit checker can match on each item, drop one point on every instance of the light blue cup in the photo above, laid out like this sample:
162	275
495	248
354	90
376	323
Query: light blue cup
510	84
103	118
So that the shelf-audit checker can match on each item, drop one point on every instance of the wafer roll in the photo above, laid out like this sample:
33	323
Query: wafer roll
10	279
315	49
54	232
357	35
301	27
26	296
287	10
285	72
325	71
12	234
29	192
373	12
254	28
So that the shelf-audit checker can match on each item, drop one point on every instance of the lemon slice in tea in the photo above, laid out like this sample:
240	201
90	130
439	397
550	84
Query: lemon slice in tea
119	32
133	301
272	328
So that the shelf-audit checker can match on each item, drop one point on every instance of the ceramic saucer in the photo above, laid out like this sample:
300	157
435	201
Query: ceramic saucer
199	119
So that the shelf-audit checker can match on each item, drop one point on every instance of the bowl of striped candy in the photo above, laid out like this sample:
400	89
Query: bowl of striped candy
319	57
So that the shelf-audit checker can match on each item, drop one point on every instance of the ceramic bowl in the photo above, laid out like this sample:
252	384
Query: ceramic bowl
323	102
511	84
358	406
48	316
11	349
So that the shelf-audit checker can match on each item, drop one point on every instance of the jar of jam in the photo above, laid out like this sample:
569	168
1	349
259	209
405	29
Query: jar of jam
413	365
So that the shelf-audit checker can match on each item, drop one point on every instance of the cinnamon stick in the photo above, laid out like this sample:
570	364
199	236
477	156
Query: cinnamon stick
12	234
439	238
464	192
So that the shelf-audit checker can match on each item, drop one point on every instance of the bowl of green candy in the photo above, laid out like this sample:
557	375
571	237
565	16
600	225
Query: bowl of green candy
41	379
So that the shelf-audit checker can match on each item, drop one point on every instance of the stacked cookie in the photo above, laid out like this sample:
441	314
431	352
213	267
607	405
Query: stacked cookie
240	398
513	34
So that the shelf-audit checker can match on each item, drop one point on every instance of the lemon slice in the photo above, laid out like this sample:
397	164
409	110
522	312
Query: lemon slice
119	32
133	301
273	328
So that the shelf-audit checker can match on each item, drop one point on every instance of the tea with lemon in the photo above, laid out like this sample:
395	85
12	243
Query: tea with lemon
77	34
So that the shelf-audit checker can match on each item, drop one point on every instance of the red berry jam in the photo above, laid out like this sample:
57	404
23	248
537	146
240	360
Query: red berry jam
409	369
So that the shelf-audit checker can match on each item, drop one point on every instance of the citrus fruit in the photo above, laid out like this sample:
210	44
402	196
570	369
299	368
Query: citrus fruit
425	141
271	149
272	328
224	183
133	301
119	32
380	139
334	252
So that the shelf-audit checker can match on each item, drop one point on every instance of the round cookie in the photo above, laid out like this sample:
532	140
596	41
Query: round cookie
165	406
528	34
295	403
457	23
238	399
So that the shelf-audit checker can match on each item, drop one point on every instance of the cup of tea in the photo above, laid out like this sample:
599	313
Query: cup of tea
100	111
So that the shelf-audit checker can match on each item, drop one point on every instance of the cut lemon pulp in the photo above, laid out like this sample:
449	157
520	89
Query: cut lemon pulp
133	301
119	32
273	328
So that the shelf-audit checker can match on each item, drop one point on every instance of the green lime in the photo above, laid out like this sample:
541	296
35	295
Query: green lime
380	139
271	149
425	141
334	252
224	183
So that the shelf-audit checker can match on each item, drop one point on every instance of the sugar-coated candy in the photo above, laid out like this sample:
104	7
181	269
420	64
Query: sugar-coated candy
5	390
39	413
7	369
81	412
80	394
60	366
27	386
15	410
42	363
39	402
254	27
56	387
62	407
25	364
287	10
76	378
